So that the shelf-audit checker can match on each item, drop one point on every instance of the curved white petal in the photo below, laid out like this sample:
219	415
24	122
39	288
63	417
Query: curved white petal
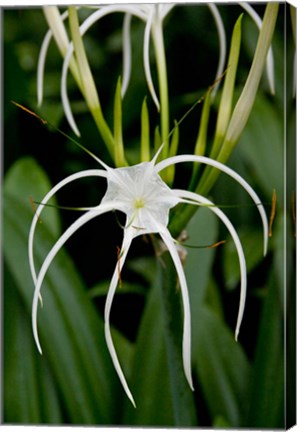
53	252
41	61
126	53
193	198
41	64
64	95
128	236
146	59
208	161
222	41
167	239
270	60
48	196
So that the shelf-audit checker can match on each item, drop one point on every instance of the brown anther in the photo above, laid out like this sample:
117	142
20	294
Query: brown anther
273	211
212	246
34	208
29	112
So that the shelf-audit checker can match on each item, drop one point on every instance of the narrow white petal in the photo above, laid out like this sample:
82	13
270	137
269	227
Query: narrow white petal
208	161
51	255
40	66
222	41
270	60
48	196
126	53
146	59
190	198
64	94
41	61
167	239
111	291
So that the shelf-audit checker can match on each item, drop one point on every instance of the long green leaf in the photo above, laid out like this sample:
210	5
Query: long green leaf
220	365
267	386
30	393
28	184
149	375
222	368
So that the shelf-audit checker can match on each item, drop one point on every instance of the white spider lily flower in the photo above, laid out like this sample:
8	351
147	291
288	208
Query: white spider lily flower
152	14
140	193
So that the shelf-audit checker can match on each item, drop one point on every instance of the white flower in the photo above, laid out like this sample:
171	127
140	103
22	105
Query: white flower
140	193
153	15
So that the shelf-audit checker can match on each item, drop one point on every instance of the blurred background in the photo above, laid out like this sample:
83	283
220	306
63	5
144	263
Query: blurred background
236	384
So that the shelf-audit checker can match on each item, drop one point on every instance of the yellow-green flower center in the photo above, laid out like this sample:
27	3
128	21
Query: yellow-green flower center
138	203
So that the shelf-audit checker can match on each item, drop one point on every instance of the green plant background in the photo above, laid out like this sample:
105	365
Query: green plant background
73	382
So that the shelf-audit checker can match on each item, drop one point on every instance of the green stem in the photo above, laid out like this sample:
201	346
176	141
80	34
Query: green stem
87	82
157	32
57	27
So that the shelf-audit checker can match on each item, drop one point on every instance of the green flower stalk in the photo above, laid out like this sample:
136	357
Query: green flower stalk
58	31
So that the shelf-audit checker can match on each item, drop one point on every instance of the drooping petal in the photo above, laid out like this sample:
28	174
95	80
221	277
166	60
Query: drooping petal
146	59
128	236
205	160
126	52
167	239
48	196
41	60
64	95
53	252
193	198
40	65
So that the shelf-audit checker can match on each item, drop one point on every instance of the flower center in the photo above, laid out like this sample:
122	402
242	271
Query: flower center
138	203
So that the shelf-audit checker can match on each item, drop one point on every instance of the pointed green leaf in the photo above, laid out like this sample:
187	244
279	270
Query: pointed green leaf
150	376
221	366
266	406
18	184
25	372
119	157
145	134
228	89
